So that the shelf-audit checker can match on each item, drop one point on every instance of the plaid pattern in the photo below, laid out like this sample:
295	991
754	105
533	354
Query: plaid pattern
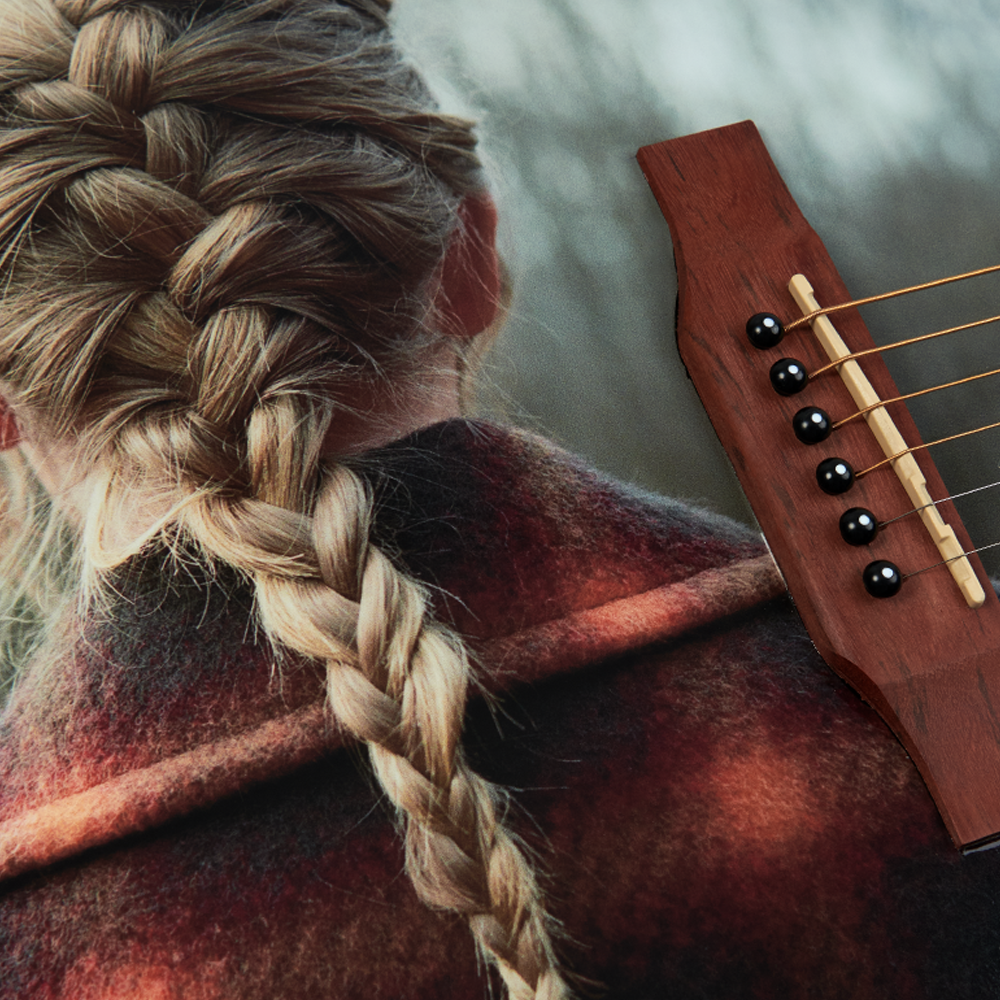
717	815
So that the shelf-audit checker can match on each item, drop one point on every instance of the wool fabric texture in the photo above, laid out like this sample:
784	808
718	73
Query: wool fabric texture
715	812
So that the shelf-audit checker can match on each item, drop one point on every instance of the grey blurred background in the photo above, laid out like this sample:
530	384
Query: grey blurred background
882	116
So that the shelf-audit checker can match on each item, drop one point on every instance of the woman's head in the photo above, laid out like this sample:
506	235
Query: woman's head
215	219
228	231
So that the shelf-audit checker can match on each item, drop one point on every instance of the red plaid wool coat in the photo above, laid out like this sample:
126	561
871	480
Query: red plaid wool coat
716	814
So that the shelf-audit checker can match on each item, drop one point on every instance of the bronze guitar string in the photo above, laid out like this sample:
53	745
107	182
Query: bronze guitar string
912	395
826	310
899	343
928	444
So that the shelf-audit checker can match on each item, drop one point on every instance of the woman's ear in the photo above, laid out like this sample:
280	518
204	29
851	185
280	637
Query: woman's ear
10	435
469	294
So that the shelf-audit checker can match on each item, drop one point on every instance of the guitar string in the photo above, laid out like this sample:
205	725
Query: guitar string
898	343
911	395
934	503
920	447
944	562
826	310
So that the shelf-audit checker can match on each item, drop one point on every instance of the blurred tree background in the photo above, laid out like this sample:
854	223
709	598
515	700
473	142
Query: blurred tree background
882	116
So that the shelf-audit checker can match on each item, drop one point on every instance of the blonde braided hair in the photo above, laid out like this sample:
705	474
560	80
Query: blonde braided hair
213	218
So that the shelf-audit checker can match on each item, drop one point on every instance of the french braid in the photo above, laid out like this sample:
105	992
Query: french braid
213	218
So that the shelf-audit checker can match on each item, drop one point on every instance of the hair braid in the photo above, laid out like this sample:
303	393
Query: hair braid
397	681
215	220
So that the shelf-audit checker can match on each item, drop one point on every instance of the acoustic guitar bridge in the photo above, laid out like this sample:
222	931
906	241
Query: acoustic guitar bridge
927	658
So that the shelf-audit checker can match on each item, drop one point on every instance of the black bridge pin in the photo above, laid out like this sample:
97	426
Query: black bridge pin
788	376
765	330
858	526
835	476
812	425
882	578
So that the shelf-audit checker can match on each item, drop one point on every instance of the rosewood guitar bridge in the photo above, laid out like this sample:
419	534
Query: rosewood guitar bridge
927	656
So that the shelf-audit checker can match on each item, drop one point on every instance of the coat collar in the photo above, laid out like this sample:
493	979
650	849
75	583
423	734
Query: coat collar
170	703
